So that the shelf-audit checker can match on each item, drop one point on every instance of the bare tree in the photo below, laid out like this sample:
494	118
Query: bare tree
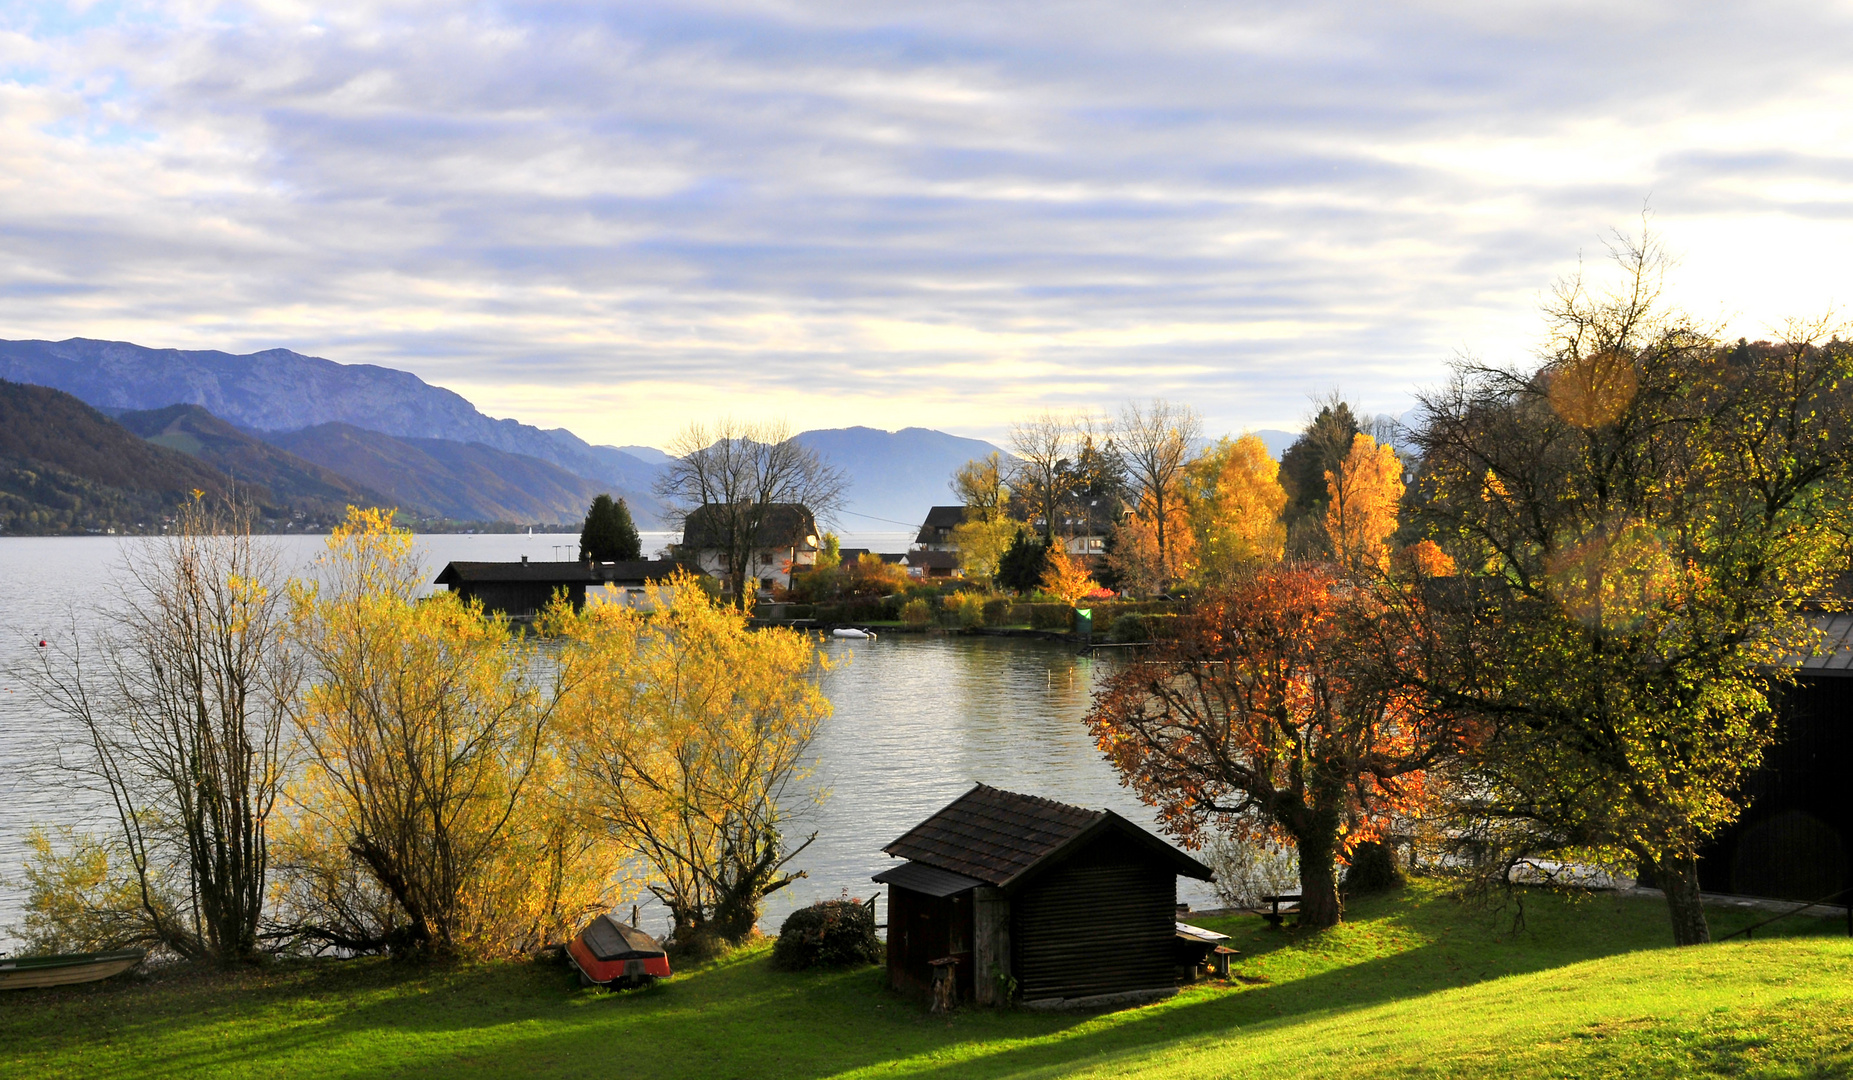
1044	447
183	705
734	474
1153	443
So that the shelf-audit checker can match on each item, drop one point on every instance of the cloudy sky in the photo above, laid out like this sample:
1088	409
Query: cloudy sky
618	217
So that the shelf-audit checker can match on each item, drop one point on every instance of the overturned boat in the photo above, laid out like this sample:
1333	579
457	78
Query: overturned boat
32	971
617	955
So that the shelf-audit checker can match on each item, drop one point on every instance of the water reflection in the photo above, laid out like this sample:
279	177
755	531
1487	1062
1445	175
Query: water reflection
918	720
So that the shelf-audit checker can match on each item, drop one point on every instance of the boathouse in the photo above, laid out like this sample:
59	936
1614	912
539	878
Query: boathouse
520	590
1074	905
1794	840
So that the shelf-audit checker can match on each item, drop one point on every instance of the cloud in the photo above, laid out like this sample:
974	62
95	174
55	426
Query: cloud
947	215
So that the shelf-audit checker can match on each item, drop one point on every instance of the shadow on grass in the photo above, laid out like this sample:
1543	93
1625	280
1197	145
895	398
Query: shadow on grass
738	1017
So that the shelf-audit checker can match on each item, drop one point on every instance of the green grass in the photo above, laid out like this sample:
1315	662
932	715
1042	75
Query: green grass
1414	985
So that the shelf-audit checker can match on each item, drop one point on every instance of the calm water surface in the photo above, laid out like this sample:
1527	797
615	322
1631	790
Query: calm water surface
917	720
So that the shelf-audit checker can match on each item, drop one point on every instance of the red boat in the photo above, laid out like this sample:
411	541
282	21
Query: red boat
617	955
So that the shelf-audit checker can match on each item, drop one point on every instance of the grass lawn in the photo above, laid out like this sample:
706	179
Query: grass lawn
1413	985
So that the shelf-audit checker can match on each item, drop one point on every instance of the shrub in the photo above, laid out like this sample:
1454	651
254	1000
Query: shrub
997	611
1373	869
1051	617
965	609
917	612
829	933
1131	628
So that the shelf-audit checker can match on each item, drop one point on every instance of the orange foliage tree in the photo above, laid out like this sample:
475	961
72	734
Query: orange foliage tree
1066	577
1267	717
1365	494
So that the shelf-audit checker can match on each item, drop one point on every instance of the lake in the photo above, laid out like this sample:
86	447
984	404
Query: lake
917	719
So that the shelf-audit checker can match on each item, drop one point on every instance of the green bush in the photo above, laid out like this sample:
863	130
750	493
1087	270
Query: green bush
1051	617
1373	869
965	610
997	611
917	612
1130	628
830	933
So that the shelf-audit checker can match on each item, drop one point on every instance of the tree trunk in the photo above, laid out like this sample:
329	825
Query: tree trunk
1679	880
1319	903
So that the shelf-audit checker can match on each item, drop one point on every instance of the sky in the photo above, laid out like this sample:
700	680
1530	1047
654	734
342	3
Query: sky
619	218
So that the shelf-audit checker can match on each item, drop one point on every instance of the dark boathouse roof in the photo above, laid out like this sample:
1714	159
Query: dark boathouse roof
992	837
555	573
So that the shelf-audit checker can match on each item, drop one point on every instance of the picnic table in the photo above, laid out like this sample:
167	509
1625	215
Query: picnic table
1274	915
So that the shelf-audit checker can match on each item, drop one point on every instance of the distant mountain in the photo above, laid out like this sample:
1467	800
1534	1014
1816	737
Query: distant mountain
303	484
280	390
466	481
649	455
894	475
67	468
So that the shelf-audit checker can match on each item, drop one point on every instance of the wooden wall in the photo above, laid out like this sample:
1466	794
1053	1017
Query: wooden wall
1795	838
1101	922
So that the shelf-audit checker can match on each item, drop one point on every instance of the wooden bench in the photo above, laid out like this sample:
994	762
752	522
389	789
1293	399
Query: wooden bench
1274	915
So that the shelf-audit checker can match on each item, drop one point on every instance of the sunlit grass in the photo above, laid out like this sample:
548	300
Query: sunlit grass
1414	985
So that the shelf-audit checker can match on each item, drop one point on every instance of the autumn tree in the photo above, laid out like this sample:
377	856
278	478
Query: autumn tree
736	474
1364	495
1135	558
1235	500
1647	511
1154	442
180	702
1066	577
981	486
609	534
428	739
1321	447
691	733
1267	718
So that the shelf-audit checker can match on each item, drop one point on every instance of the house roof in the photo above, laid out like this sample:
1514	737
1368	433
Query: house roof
937	519
932	560
1834	655
783	525
555	573
1002	838
930	880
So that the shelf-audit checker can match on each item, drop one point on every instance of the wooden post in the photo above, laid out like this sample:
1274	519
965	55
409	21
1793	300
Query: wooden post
945	983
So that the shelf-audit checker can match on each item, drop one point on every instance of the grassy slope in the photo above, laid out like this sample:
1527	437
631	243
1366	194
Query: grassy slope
1415	985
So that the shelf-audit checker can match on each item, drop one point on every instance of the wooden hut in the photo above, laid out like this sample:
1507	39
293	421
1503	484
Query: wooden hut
522	589
1072	904
1795	838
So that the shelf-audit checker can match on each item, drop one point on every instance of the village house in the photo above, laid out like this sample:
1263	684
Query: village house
927	565
936	533
786	543
1018	895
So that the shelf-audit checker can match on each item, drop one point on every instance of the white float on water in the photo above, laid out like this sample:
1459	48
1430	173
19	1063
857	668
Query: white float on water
852	632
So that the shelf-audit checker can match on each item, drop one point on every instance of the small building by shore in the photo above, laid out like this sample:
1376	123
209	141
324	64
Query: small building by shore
1034	899
521	590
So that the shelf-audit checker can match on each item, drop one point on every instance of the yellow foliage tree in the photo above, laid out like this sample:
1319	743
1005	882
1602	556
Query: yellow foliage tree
1067	577
689	740
1235	500
431	761
981	542
1365	495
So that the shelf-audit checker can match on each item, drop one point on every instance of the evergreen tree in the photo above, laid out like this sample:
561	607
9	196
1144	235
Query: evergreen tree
609	534
1319	450
1022	567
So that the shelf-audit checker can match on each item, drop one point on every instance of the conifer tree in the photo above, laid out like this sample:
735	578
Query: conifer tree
609	535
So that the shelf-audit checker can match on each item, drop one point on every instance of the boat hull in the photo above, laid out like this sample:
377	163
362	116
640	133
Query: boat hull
38	971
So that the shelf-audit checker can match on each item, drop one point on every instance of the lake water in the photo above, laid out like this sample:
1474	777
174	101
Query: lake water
917	719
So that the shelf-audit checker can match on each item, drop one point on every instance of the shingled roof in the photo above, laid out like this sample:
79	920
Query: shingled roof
1000	837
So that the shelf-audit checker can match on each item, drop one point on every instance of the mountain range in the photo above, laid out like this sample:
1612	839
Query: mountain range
358	432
